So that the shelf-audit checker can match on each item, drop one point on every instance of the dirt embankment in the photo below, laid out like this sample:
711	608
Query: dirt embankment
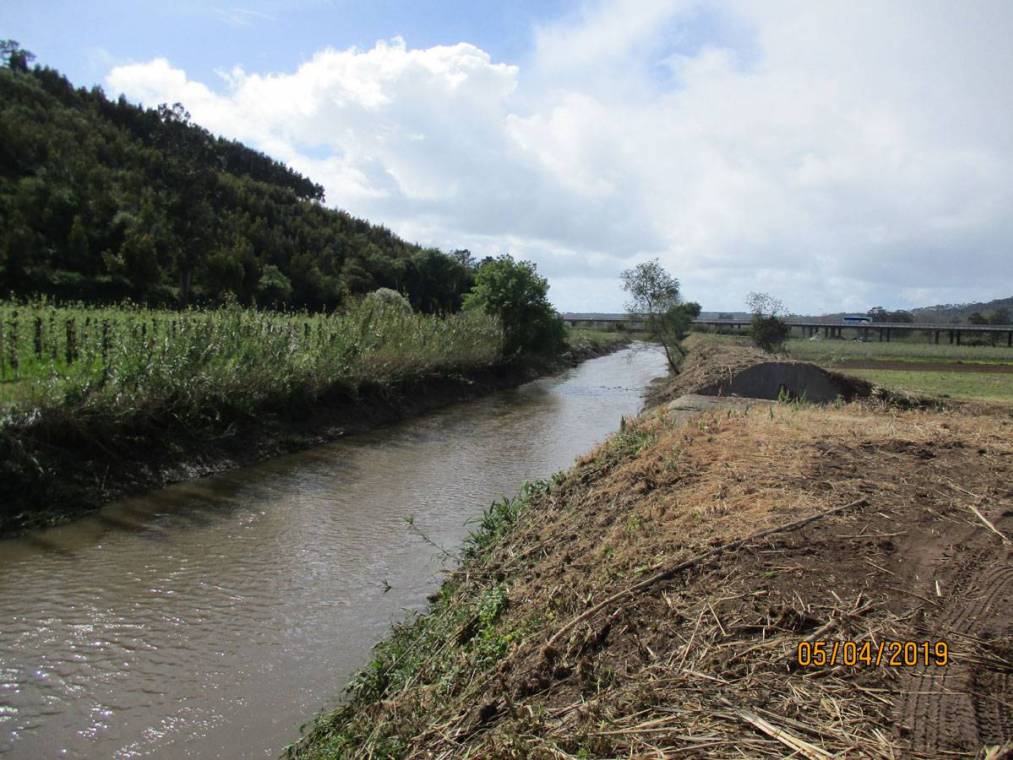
73	467
652	602
719	368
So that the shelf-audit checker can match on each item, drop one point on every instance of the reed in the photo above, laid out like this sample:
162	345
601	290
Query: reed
128	358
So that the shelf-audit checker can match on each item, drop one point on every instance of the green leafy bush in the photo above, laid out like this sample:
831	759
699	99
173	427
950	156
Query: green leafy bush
769	333
514	292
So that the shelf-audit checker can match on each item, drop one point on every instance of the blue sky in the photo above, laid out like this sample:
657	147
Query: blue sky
839	155
83	39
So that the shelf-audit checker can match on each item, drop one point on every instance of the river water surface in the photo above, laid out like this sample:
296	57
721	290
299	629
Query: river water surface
211	618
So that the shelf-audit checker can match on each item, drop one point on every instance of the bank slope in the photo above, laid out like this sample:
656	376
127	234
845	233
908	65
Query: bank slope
653	599
187	394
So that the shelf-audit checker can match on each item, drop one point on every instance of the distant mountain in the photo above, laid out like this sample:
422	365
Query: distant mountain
102	200
942	314
959	313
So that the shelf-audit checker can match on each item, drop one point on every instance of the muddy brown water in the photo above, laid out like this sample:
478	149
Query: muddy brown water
211	618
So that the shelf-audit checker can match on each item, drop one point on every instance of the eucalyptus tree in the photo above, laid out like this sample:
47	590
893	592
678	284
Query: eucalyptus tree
656	299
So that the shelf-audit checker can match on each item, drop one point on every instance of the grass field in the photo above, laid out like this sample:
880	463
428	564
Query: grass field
972	386
834	351
919	379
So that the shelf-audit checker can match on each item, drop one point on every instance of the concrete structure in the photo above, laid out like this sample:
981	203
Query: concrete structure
810	327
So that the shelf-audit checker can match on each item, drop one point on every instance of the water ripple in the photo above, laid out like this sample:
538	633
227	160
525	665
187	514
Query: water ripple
211	618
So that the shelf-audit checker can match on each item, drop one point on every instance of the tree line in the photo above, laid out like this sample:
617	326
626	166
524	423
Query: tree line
102	200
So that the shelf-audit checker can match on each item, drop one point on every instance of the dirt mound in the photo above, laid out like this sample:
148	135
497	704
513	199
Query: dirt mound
714	368
654	600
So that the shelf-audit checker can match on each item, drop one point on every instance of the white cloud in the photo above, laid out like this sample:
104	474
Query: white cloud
839	155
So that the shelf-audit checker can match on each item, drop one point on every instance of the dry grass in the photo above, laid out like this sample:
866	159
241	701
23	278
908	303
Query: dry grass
599	663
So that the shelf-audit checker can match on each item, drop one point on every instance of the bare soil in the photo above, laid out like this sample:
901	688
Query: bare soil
657	596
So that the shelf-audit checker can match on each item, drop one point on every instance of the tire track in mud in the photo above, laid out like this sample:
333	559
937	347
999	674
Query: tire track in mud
960	707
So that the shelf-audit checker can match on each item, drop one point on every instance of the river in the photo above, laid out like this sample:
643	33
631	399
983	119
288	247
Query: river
210	618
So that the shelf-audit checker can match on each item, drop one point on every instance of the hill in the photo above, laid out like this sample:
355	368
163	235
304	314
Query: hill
102	200
961	312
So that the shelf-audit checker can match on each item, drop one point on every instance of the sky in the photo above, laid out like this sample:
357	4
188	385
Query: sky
838	155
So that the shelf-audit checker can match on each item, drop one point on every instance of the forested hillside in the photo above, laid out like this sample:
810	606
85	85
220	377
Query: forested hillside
996	312
101	200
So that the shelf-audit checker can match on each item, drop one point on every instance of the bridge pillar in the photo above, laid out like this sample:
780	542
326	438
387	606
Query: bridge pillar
888	335
958	336
1009	339
936	336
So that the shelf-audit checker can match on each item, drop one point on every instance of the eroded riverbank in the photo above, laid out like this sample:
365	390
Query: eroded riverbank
62	472
210	618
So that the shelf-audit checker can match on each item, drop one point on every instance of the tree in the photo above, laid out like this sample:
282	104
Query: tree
879	314
655	298
16	58
768	330
101	198
999	316
274	287
436	282
517	294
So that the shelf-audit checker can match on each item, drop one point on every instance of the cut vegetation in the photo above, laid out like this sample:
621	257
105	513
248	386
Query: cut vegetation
651	601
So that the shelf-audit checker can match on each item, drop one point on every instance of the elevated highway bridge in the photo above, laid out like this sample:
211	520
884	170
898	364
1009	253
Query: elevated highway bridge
807	328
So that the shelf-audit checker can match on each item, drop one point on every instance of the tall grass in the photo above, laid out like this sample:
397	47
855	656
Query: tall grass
131	359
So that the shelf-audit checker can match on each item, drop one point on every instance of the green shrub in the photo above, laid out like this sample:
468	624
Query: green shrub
514	292
385	299
769	333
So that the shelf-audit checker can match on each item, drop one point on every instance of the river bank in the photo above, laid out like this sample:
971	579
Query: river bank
150	627
667	594
60	467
